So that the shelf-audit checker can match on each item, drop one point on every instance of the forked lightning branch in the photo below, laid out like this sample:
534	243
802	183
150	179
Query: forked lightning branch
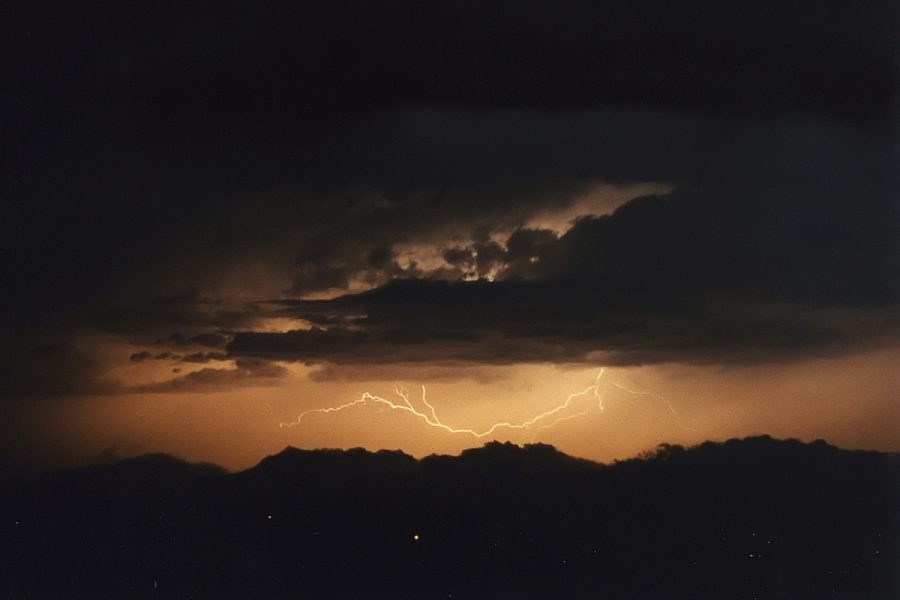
576	405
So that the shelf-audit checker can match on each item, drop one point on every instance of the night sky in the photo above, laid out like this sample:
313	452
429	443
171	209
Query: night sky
216	217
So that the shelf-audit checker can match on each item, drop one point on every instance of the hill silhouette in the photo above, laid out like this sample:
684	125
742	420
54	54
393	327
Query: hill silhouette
751	518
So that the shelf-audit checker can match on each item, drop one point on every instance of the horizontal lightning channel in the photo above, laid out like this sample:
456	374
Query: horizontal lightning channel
545	420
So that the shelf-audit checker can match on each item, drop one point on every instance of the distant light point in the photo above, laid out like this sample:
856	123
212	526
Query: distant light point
416	537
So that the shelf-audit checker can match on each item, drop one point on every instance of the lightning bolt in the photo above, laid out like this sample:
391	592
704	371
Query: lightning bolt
662	399
545	420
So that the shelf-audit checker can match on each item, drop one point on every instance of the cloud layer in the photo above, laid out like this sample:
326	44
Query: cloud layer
440	183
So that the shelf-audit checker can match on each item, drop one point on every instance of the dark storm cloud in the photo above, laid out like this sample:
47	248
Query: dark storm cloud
247	372
682	277
204	357
507	323
477	259
140	356
778	228
165	168
211	340
205	318
426	171
757	246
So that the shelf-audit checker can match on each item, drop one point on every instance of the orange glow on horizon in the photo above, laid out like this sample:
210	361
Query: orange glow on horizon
431	419
848	401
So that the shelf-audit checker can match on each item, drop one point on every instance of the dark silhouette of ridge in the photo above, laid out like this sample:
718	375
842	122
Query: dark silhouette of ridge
751	518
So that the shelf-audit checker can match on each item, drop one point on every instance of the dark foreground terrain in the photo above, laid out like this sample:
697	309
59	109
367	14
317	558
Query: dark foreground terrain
753	518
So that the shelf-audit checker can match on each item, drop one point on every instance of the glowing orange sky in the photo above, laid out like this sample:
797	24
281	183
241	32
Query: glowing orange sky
849	401
208	233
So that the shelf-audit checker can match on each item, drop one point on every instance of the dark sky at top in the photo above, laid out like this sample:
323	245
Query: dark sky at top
152	152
